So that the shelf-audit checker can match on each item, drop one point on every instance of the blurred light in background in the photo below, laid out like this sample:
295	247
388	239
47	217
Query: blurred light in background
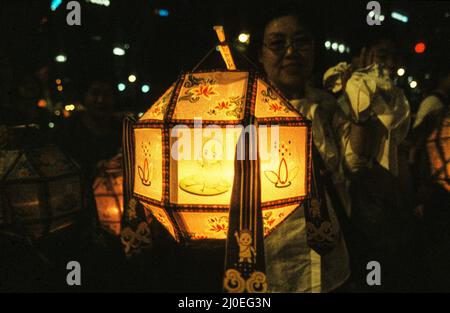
399	17
401	71
106	3
145	88
132	78
378	17
69	107
51	125
244	38
420	47
413	84
42	103
162	12
336	46
55	4
118	51
60	58
121	87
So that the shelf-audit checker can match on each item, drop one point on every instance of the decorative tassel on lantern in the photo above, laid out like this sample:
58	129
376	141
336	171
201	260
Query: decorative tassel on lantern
244	261
319	229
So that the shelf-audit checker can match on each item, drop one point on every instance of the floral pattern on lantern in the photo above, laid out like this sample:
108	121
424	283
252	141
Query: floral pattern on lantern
190	194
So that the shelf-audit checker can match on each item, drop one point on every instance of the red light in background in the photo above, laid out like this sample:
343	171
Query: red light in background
420	47
42	103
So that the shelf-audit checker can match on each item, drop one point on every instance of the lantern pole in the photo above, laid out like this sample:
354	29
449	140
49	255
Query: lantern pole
224	48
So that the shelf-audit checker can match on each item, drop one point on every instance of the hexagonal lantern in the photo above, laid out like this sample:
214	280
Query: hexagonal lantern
107	187
40	191
183	150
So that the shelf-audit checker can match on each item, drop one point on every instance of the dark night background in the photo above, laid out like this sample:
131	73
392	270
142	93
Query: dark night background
32	35
160	47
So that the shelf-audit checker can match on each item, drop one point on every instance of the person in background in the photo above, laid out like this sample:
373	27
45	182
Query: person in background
287	56
381	219
94	133
435	101
430	161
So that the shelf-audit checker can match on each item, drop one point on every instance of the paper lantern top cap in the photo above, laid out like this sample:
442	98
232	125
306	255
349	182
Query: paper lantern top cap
221	97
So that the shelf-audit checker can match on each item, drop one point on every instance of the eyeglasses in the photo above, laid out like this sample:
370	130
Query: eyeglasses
280	46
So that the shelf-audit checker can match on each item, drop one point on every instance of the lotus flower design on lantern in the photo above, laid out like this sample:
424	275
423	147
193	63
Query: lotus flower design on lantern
197	88
284	175
146	171
185	171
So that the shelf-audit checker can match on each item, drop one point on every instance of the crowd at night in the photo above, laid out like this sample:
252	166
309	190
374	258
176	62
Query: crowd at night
374	81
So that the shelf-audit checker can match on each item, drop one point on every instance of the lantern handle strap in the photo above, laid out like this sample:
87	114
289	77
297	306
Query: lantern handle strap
224	48
225	51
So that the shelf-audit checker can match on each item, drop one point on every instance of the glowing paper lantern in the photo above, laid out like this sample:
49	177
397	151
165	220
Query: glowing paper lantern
40	191
108	194
438	148
183	151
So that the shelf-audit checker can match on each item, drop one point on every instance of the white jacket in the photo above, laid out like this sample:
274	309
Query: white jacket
291	266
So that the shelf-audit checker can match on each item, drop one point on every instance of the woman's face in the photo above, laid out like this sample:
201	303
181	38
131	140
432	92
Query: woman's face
384	53
287	53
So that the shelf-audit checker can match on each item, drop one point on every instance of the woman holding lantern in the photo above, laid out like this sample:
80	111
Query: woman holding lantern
357	136
292	263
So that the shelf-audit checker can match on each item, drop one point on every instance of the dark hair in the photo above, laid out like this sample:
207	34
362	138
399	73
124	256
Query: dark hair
277	10
281	8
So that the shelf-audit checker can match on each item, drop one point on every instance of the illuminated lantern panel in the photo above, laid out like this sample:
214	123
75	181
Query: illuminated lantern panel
185	148
108	194
438	147
41	191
